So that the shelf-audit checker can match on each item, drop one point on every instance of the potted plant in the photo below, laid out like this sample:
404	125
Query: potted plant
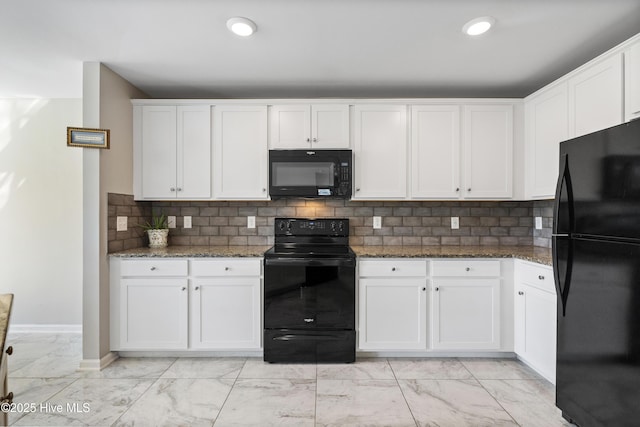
158	231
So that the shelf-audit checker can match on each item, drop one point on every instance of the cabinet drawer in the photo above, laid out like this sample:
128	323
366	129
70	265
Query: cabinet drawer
466	268
226	267
536	275
154	267
392	268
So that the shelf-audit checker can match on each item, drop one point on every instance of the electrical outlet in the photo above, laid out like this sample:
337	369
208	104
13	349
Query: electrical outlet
171	221
251	222
187	222
121	223
377	222
455	222
538	223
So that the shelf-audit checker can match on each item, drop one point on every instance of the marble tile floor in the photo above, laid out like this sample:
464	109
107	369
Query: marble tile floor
49	391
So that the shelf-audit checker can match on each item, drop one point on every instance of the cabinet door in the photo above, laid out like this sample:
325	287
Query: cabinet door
330	126
632	82
225	313
595	97
290	126
161	325
546	124
535	329
158	163
466	314
392	314
193	156
240	152
380	152
488	151
435	151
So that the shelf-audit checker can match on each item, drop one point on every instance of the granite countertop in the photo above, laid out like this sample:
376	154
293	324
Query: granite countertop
528	253
6	301
193	251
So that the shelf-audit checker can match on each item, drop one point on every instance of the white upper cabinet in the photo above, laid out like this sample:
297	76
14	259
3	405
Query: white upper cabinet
172	152
632	82
546	125
380	151
595	97
488	151
435	151
240	154
323	126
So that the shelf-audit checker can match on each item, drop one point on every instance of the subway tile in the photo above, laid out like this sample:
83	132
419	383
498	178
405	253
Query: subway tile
218	240
402	211
392	221
382	211
257	240
509	221
392	240
469	241
432	221
430	241
450	240
410	221
489	221
238	241
411	240
372	240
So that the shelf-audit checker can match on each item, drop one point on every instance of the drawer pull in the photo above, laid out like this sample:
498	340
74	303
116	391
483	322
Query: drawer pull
520	293
468	269
227	269
184	288
9	350
393	269
424	289
197	287
153	269
437	289
541	277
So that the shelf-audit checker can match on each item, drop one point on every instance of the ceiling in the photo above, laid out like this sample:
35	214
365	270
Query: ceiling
305	48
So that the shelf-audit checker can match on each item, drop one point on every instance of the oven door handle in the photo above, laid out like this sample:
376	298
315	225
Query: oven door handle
310	262
307	337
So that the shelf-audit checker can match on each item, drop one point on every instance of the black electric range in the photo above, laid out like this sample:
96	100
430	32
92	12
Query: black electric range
309	292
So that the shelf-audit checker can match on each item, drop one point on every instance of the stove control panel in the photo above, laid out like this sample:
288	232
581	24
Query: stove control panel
311	227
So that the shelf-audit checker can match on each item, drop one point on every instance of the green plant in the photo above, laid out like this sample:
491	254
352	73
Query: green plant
156	223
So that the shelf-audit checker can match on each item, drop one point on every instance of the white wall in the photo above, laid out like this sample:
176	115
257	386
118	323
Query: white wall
106	105
41	211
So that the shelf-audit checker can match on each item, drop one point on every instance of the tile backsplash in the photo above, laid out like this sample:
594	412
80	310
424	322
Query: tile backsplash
403	223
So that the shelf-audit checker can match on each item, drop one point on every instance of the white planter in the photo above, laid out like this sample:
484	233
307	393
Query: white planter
158	238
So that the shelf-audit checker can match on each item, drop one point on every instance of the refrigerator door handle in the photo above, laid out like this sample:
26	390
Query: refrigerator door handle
563	177
563	286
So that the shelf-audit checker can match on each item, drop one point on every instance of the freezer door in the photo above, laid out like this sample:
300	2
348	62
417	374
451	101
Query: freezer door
599	191
598	351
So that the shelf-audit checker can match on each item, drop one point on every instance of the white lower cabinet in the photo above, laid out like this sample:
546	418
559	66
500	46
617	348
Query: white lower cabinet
183	304
535	317
153	314
466	305
225	311
393	304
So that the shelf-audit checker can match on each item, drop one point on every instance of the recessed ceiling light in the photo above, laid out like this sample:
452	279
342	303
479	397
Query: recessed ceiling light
478	26
241	26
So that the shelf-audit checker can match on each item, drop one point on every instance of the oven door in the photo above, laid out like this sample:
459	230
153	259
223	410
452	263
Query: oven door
309	293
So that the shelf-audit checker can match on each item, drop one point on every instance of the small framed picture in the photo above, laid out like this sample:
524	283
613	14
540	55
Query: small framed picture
85	137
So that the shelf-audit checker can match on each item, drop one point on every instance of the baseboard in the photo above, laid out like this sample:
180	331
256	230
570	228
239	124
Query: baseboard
45	329
98	364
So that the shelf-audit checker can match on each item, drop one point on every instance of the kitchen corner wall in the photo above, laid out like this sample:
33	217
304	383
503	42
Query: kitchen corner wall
403	223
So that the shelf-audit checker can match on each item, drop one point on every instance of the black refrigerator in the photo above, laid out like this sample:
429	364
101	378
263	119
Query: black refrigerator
596	250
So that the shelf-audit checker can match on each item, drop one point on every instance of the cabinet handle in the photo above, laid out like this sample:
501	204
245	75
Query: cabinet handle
315	139
308	139
227	269
468	269
357	189
541	277
184	288
172	189
424	289
520	293
469	189
393	269
437	289
153	268
264	189
179	189
9	350
457	189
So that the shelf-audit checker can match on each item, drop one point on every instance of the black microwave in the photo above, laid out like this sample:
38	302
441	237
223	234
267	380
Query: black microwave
310	173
